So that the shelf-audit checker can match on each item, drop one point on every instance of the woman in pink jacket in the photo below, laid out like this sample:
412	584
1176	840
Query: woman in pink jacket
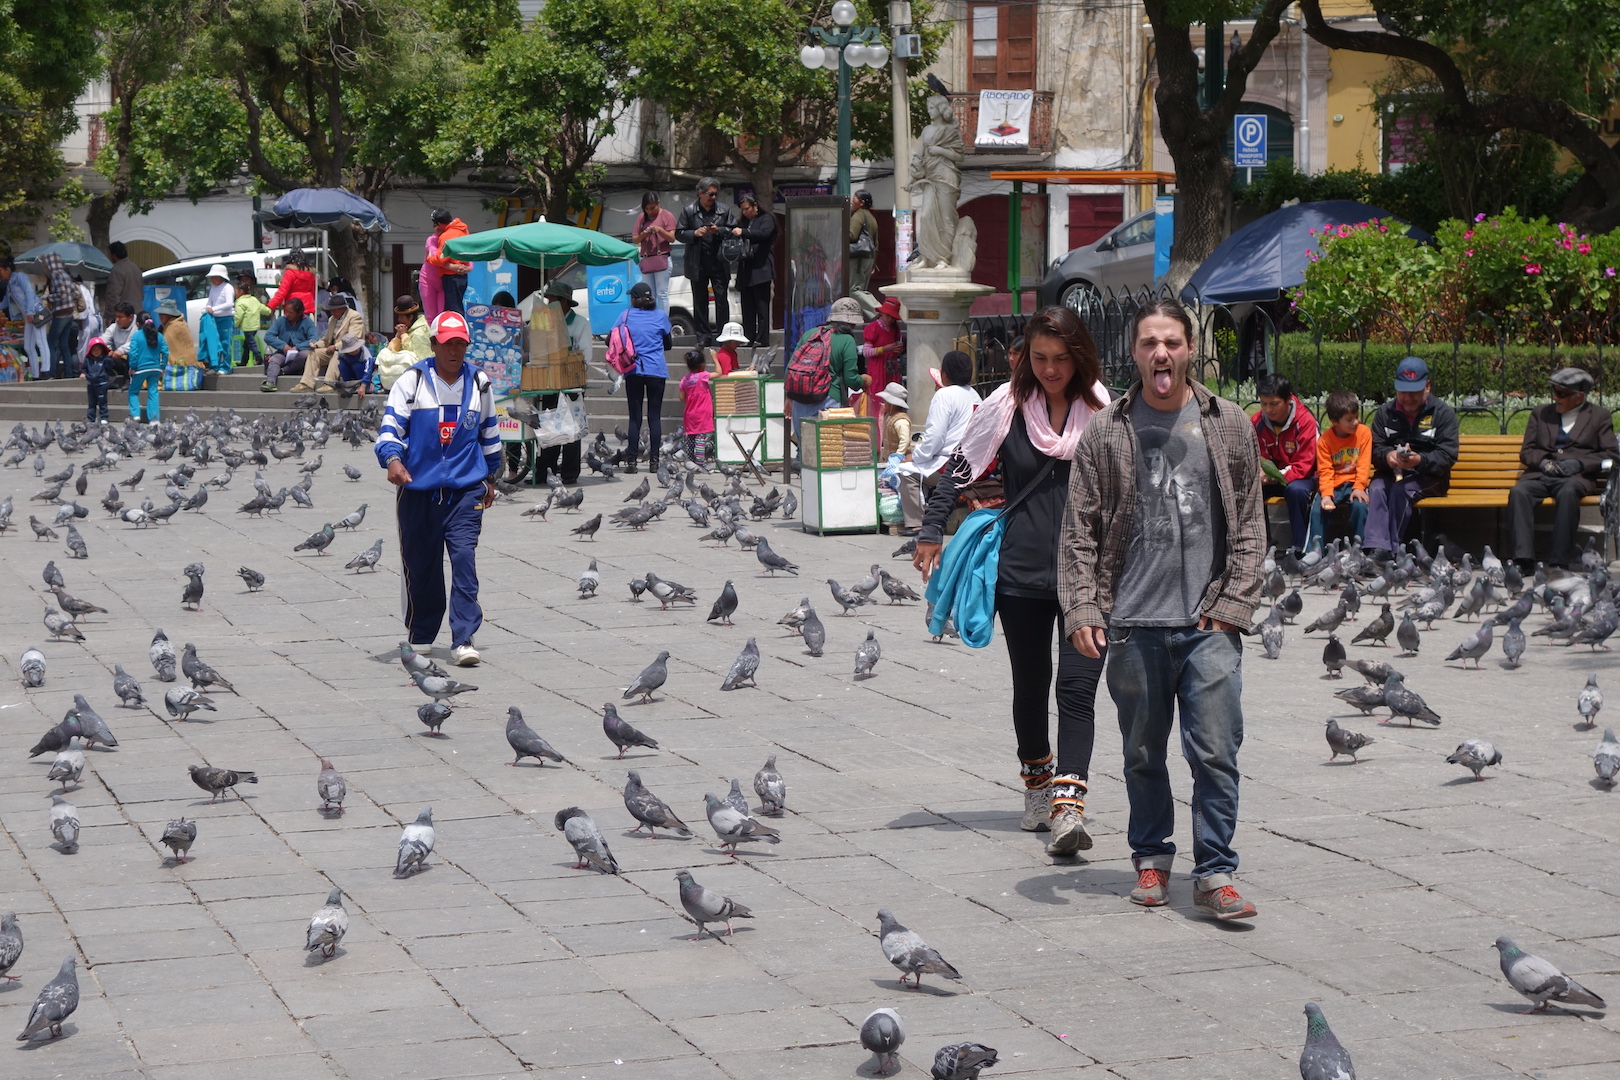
428	282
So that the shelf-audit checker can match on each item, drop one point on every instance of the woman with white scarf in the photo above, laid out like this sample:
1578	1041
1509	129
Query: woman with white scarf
1027	430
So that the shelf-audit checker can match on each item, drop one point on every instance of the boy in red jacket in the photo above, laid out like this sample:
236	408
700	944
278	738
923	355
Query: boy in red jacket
1287	434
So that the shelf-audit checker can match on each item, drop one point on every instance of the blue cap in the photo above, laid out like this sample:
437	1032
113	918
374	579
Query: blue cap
1411	374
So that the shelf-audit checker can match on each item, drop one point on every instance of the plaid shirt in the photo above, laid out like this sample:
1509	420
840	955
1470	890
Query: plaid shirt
1102	504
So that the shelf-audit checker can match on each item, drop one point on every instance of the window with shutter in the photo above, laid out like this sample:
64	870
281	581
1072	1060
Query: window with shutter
1003	46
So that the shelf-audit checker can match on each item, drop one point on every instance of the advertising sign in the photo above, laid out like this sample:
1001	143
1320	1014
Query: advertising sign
607	291
485	279
1004	117
905	242
1164	234
497	344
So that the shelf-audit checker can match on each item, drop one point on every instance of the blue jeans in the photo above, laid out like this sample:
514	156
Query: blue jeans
96	399
658	281
1389	509
455	292
801	411
1298	494
1343	507
152	379
64	333
433	524
1151	671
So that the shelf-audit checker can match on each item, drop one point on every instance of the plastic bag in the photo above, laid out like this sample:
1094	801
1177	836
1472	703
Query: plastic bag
557	426
889	510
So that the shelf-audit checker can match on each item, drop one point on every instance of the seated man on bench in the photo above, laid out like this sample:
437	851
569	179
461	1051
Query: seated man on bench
1565	446
1415	438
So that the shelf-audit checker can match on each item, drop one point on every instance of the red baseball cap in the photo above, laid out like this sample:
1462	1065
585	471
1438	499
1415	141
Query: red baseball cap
450	326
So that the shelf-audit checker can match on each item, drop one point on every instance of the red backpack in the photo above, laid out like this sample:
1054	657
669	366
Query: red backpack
809	373
621	349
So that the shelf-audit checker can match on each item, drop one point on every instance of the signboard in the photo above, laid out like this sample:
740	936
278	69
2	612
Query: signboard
497	345
153	295
510	430
607	292
1249	141
1164	234
1004	117
485	279
783	192
905	243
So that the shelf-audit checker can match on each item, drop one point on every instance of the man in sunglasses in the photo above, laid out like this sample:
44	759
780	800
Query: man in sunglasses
1565	447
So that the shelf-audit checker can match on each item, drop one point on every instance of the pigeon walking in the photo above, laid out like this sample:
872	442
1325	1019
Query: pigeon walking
1590	702
56	1001
415	844
202	676
622	734
11	945
94	728
218	781
32	667
771	789
896	590
319	541
191	596
1407	636
1333	656
1474	755
525	741
962	1061
651	678
743	668
1407	703
590	846
329	923
771	561
353	519
1513	643
433	714
909	953
367	559
440	688
588	529
1539	981
1606	758
846	599
724	605
734	828
867	654
813	632
181	702
1329	620
707	906
61	626
178	836
883	1034
1473	647
589	580
67	767
649	810
164	662
1377	630
65	823
1341	741
1323	1058
331	787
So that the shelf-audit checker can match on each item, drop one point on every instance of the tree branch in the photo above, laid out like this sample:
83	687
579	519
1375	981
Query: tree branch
260	164
1453	87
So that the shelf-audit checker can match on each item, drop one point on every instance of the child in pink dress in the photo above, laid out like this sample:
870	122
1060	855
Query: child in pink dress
699	417
428	282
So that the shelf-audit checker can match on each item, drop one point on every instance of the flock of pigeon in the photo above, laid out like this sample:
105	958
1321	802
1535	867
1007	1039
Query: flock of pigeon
1582	611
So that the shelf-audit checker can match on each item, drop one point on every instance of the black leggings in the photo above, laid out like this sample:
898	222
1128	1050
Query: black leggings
652	386
1027	624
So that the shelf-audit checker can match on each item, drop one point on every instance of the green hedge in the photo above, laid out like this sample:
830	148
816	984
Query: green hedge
1455	370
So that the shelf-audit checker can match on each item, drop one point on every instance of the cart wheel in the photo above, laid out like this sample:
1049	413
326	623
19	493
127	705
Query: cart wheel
568	466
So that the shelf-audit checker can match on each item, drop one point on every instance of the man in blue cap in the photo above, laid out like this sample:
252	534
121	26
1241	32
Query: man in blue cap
1414	448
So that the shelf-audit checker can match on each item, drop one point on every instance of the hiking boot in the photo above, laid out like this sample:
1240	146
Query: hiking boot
1068	832
1037	809
1222	902
267	387
1152	888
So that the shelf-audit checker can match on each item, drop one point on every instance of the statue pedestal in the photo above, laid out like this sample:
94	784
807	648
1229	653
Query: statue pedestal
935	308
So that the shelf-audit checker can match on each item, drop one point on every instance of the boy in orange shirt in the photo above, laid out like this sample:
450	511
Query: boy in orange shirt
1343	466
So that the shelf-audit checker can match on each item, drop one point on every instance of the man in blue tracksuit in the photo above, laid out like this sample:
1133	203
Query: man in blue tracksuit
439	442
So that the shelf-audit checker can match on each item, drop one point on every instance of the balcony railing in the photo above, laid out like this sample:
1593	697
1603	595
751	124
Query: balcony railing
1041	135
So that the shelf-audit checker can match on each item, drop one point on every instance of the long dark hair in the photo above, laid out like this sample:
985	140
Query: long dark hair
1064	325
150	330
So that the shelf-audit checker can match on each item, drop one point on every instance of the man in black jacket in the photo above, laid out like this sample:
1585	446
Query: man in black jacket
1414	448
1565	446
701	227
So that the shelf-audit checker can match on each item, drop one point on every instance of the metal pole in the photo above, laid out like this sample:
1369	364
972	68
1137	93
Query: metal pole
1214	62
843	122
1304	98
1015	217
900	16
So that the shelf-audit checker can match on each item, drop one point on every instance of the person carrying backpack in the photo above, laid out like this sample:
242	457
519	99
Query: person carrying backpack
825	368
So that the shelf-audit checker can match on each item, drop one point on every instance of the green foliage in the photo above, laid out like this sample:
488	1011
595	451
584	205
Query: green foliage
1363	271
190	133
68	198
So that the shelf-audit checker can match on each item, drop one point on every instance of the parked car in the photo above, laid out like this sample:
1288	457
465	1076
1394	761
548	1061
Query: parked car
1122	260
191	275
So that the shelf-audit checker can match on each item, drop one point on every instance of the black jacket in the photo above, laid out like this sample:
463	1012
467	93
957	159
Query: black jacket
759	265
1590	440
1029	546
1432	436
703	255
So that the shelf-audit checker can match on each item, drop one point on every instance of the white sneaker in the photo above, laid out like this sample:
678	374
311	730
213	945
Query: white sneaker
1069	834
465	655
424	647
1037	810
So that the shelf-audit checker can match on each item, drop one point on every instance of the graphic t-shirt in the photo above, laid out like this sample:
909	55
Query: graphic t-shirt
1178	536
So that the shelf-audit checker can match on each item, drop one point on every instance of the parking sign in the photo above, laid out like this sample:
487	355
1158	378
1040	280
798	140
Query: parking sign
1249	141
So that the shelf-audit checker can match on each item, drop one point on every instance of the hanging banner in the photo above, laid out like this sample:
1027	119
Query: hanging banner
904	239
607	289
1164	234
1004	117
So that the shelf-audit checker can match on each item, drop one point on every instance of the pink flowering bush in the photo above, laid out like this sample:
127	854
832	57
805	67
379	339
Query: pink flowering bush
1364	271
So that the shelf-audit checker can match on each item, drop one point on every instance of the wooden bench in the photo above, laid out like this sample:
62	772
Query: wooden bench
1486	470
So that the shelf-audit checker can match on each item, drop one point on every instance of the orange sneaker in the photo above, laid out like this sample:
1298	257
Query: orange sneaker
1223	903
1152	888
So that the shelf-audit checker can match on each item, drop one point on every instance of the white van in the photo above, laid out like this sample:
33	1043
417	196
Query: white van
189	278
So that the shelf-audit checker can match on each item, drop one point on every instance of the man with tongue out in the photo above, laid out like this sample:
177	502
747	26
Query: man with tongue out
1159	564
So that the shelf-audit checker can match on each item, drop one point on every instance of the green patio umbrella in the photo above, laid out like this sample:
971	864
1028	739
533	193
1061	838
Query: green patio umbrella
542	244
77	258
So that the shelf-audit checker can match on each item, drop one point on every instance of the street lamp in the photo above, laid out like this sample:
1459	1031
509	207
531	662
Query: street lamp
849	46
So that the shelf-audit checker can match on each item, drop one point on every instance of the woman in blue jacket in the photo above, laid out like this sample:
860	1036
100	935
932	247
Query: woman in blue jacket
148	356
649	332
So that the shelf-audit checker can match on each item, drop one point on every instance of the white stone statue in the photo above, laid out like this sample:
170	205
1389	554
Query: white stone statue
936	183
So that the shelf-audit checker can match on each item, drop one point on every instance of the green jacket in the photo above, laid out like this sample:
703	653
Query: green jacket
846	369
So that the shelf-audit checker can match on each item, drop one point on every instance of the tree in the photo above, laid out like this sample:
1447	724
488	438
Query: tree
1499	65
1196	136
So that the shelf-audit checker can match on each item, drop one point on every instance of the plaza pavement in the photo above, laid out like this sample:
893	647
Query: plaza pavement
1381	886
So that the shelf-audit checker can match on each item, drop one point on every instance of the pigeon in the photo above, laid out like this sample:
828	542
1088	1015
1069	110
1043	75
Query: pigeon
1329	620
590	847
181	703
412	660
1407	635
651	678
724	605
648	809
622	734
1606	758
1365	698
771	561
92	726
1292	605
1475	755
743	668
667	592
588	582
846	598
794	619
588	529
415	844
1475	646
1271	636
638	492
706	906
734	798
331	787
56	1001
962	1061
790	506
1404	702
201	675
65	823
1333	656
351	472
439	688
32	667
908	952
813	632
734	828
896	590
1538	980
164	661
41	532
353	519
1377	630
367	559
1513	643
771	789
59	737
61	626
883	1034
301	497
218	781
1374	671
1323	1058
68	767
1590	701
1341	741
191	596
318	542
1604	623
178	836
329	923
53	576
525	742
72	606
433	714
76	544
11	945
867	654
637	587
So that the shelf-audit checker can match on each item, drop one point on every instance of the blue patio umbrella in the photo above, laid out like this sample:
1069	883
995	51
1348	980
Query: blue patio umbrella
1260	260
77	258
307	208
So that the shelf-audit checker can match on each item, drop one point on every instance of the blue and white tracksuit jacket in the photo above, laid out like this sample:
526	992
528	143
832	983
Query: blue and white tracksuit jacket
444	445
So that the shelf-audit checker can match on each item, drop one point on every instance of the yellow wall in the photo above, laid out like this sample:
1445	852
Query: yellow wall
1354	141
